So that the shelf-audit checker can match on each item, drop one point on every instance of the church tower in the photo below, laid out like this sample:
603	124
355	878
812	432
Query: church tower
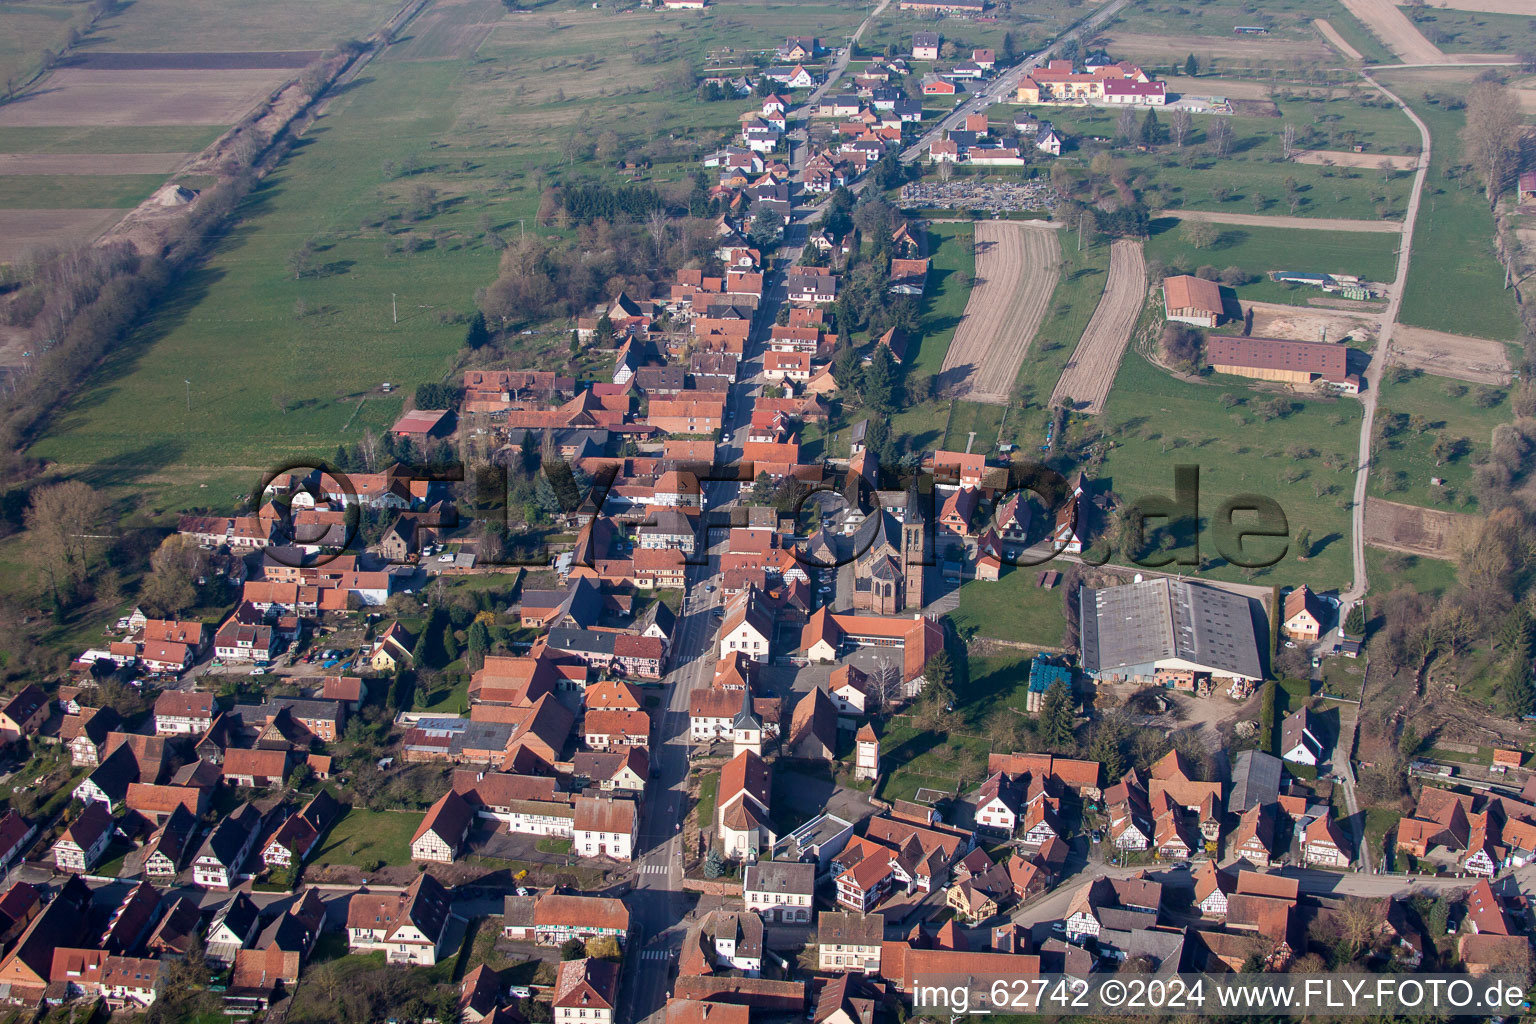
914	548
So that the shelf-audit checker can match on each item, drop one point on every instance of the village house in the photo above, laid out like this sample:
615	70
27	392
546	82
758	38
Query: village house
849	942
586	991
410	926
443	829
782	892
552	918
604	827
183	713
84	841
218	862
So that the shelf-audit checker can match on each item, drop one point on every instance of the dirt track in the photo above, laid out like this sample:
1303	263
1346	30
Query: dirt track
1394	29
1337	41
1345	158
1091	371
1418	531
1016	270
1477	360
1254	220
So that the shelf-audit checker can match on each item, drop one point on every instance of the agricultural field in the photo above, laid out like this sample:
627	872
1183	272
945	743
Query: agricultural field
1239	442
481	135
1476	360
92	140
1464	414
1091	371
1475	31
1419	531
1017	264
1261	250
171	25
30	28
1079	289
1394	29
1455	283
75	191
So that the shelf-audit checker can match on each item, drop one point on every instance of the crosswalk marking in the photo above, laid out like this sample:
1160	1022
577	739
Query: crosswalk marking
654	869
656	954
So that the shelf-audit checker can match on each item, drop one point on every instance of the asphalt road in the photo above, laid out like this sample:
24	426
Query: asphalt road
659	907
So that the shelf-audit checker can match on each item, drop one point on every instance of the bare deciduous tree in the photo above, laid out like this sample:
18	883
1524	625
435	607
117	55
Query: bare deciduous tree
64	526
1179	126
1220	136
1492	135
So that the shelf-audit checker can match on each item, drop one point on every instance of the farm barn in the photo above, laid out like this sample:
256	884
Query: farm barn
1192	300
1290	362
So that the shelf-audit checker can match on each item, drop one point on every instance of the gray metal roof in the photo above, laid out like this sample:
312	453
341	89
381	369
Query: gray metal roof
1255	780
1138	624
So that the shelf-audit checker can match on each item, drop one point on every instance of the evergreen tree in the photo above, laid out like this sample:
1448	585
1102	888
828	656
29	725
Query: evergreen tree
528	452
1056	718
1191	66
879	387
1515	687
477	644
877	438
714	864
476	335
1151	130
343	460
1105	749
1009	50
938	671
1354	622
846	369
604	331
450	644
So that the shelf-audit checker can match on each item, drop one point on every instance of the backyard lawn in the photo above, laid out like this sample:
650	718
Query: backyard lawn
952	247
365	839
1013	608
957	755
